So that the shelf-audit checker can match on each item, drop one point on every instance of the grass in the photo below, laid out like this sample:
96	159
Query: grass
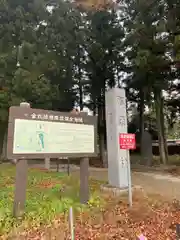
49	194
150	215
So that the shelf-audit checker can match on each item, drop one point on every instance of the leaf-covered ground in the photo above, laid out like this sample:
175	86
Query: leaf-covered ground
155	218
51	194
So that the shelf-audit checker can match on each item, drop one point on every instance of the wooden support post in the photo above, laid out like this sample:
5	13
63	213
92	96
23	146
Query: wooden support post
68	166
84	171
47	163
20	182
20	187
84	180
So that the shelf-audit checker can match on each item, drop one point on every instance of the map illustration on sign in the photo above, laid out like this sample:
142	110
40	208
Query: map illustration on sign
34	136
41	136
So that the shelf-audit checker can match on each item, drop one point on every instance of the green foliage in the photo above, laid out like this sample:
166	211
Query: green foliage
147	45
55	55
33	63
104	48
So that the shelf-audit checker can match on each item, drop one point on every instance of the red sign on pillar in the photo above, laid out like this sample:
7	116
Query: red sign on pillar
127	141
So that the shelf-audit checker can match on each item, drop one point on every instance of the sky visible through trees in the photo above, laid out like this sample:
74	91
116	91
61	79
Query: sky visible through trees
55	54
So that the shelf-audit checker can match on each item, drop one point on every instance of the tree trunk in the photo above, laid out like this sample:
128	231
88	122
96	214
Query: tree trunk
4	149
141	118
102	149
160	126
80	96
164	132
80	81
3	132
143	149
94	111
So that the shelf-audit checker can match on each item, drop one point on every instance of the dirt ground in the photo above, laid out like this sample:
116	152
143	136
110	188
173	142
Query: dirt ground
150	214
153	183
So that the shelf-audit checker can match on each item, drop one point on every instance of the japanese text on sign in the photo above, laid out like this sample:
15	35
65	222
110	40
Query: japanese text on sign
122	121
37	133
123	161
127	141
56	118
121	101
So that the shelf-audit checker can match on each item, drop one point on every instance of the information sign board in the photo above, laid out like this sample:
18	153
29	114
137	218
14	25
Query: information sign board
37	133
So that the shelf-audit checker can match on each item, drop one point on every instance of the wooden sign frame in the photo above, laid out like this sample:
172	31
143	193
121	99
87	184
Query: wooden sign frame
31	114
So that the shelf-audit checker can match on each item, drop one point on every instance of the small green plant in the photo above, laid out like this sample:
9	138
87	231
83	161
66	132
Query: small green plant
48	195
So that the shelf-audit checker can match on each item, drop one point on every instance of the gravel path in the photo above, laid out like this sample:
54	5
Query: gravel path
153	183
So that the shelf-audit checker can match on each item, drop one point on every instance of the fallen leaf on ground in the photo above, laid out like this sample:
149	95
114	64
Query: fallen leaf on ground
156	221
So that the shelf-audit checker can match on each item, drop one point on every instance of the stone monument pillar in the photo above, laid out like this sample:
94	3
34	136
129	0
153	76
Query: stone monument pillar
116	123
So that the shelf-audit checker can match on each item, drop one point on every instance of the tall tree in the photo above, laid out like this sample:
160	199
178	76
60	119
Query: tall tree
103	57
149	49
18	24
63	37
